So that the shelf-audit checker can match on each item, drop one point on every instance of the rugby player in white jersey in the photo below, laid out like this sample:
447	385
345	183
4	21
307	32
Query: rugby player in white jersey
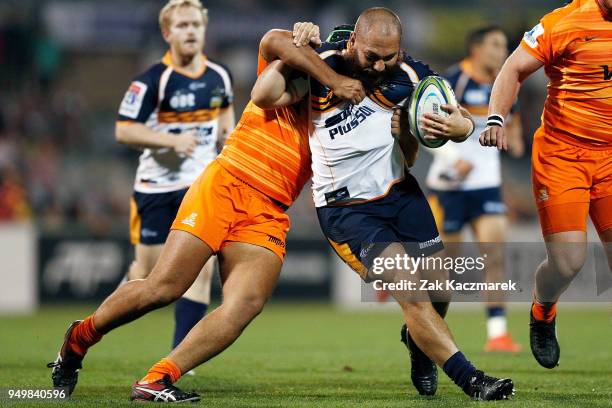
178	112
465	179
368	205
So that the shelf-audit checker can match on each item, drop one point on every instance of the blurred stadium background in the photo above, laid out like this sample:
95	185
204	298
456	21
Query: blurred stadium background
65	181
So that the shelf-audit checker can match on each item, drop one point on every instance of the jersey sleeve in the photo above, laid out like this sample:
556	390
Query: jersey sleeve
140	99
544	41
421	69
331	54
331	46
228	86
409	73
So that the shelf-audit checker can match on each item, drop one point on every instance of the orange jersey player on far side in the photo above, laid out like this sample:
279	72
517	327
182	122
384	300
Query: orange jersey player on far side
572	149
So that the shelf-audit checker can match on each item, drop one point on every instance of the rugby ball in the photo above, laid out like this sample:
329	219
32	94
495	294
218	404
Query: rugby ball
430	93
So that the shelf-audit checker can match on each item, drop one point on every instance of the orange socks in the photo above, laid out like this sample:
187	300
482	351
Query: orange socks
544	311
164	367
84	336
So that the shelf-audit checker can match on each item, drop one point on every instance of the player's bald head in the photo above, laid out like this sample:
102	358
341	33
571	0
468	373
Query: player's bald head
378	21
374	47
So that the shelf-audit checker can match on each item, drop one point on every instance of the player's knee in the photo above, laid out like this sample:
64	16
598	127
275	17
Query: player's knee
253	306
568	262
164	293
247	306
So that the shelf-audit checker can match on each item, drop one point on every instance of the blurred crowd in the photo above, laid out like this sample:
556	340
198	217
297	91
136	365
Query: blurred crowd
59	163
50	171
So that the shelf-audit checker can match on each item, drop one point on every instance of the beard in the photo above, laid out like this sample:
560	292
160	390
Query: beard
370	78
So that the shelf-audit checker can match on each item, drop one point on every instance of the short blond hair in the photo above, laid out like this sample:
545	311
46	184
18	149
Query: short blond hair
166	13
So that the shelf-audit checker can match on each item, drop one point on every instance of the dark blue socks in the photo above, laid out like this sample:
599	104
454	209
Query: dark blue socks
459	369
495	312
186	314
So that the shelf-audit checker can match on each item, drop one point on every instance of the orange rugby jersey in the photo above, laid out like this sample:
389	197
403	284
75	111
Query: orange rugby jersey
269	149
575	44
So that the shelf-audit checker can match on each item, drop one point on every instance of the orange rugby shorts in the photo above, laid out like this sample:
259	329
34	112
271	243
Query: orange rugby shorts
569	183
221	209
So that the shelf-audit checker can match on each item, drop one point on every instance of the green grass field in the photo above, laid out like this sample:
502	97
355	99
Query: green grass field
311	355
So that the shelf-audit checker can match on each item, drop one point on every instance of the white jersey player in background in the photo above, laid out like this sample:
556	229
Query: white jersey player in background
179	112
465	179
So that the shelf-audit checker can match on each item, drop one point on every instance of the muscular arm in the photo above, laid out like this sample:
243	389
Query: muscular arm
278	44
516	69
273	88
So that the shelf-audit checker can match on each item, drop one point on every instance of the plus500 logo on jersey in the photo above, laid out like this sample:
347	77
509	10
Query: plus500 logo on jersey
359	116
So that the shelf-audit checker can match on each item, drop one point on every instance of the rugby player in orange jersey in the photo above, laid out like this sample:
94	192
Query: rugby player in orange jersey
572	149
235	209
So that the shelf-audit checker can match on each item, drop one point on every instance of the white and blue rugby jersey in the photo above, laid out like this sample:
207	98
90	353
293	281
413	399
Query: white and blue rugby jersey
167	99
473	96
354	155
